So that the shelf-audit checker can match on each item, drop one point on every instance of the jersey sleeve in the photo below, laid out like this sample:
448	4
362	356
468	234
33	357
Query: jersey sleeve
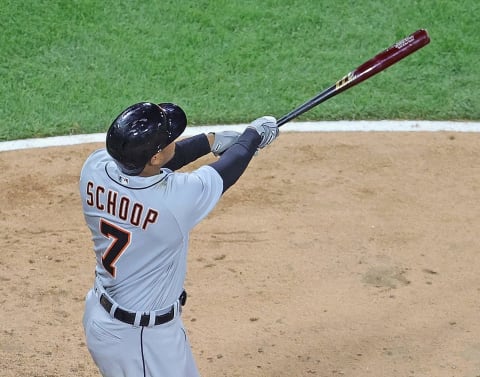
194	195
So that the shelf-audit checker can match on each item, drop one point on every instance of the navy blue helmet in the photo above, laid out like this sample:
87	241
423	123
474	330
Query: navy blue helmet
141	131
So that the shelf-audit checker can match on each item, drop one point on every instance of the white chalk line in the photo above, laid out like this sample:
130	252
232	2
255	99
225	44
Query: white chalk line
326	126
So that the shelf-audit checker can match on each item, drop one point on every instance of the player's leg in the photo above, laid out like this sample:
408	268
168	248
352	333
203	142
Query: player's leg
167	351
191	366
114	346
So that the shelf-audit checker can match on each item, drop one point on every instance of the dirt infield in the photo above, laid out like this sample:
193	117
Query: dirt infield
336	254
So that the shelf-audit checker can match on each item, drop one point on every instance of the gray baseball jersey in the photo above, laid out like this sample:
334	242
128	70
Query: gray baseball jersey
140	228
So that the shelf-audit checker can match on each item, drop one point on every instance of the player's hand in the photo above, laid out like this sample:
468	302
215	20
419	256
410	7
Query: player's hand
223	140
267	128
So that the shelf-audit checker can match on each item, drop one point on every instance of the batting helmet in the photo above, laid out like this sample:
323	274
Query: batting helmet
141	131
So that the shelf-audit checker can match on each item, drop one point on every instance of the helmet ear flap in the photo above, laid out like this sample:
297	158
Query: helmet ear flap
176	119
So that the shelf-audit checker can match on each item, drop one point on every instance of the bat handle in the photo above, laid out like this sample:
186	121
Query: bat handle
282	121
321	97
288	117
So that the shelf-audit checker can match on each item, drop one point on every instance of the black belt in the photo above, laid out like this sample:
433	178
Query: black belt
129	317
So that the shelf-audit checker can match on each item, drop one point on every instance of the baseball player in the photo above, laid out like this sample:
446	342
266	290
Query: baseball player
140	212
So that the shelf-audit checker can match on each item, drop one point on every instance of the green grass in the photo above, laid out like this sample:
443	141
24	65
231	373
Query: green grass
69	67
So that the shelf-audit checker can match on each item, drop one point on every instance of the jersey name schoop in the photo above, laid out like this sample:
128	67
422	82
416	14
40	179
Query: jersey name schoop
123	207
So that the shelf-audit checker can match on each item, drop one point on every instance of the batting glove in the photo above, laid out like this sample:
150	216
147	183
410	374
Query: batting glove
223	140
267	128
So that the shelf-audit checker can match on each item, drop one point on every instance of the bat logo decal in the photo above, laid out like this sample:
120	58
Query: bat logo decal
404	42
345	80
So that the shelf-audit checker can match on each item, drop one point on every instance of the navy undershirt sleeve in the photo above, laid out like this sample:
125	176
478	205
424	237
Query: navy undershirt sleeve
233	162
188	150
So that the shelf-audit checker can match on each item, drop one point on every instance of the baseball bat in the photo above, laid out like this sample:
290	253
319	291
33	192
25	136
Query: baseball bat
378	63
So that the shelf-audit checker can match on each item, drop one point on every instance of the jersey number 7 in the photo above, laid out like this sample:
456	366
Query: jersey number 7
120	241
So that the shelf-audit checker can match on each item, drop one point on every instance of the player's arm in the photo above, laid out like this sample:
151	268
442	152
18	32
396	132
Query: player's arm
233	162
192	148
188	150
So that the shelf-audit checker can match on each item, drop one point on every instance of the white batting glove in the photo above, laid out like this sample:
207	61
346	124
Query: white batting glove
267	128
223	140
